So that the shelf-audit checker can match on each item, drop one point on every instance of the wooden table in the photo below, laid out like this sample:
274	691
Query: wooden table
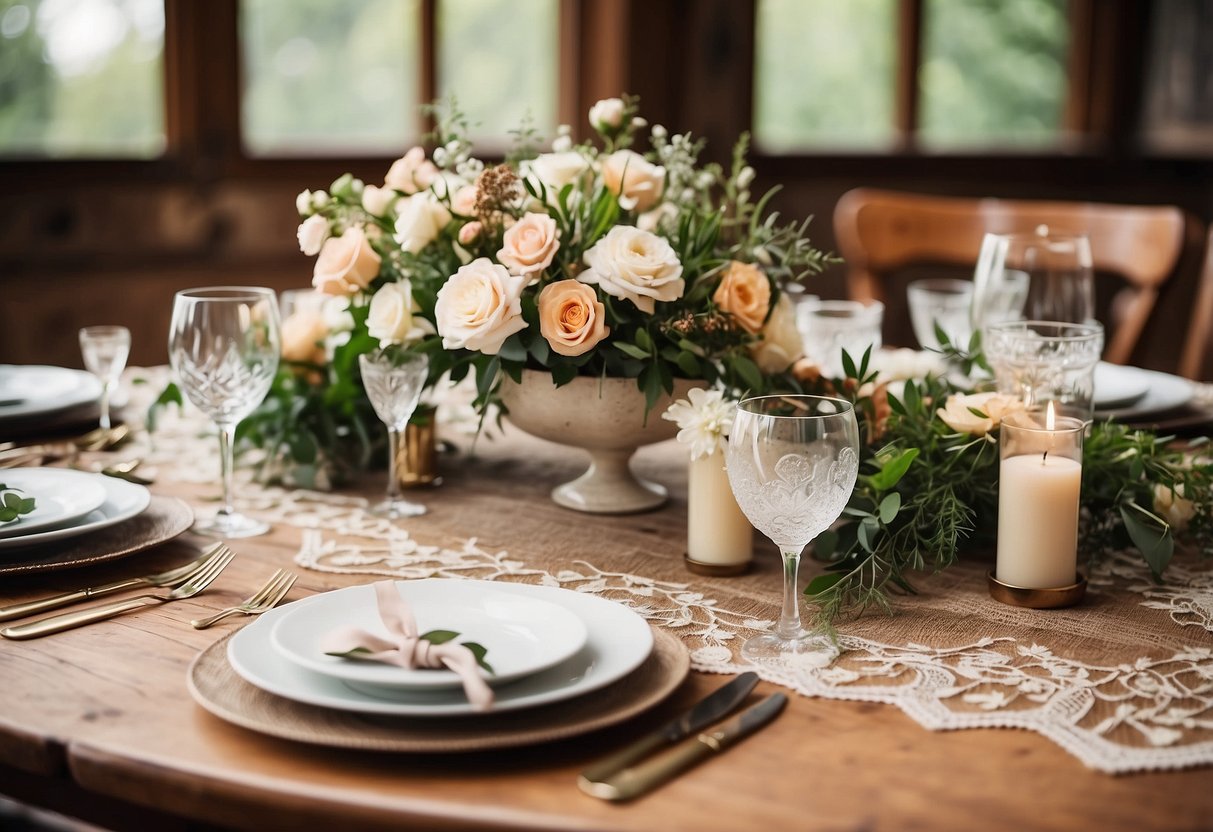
97	722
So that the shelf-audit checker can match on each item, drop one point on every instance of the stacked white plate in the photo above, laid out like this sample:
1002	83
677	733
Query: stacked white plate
1131	393
67	503
34	391
545	645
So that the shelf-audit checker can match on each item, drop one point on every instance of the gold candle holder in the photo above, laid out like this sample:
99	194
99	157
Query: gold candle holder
417	453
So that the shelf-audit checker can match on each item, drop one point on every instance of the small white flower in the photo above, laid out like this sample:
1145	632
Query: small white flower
745	177
312	233
320	199
562	144
303	203
639	123
659	132
704	419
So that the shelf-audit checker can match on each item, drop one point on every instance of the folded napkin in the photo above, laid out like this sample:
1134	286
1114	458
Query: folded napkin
404	646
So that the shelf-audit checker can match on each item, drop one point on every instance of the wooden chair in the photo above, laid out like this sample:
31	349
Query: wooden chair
879	232
1196	345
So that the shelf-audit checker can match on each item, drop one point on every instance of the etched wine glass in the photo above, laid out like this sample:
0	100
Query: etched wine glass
792	463
105	350
224	344
394	380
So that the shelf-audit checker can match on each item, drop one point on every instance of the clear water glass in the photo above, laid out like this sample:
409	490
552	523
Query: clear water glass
830	326
394	380
1047	361
224	343
792	463
1041	276
105	350
943	303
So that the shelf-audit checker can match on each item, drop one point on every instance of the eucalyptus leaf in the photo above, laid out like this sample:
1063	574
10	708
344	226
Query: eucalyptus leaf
889	507
1155	543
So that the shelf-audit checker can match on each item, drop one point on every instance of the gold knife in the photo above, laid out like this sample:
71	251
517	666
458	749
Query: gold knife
641	778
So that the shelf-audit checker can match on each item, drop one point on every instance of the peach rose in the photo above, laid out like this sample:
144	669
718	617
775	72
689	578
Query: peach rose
571	318
479	307
745	293
635	265
463	202
411	173
781	343
346	265
470	232
303	335
637	183
529	246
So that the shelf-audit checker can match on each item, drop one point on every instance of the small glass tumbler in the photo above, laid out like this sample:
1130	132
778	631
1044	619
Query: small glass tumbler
105	350
1047	361
394	380
831	326
942	303
1039	481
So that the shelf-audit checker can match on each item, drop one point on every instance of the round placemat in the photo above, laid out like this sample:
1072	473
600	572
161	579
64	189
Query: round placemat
164	519
218	689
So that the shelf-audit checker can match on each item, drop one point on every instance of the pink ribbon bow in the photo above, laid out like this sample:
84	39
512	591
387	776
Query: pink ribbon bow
405	648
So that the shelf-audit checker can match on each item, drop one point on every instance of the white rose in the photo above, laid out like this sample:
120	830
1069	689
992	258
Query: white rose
529	245
303	203
376	201
781	342
555	170
312	233
902	364
391	318
1172	506
957	415
607	114
637	182
419	220
411	173
479	307
636	265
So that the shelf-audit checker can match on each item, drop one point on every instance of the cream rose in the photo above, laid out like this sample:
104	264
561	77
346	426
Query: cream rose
419	220
303	335
312	233
745	293
956	413
780	343
376	201
555	170
635	265
479	307
571	318
637	183
607	114
411	173
392	317
529	245
346	265
1173	507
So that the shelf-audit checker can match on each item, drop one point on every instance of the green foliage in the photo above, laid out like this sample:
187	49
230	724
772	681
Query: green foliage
13	505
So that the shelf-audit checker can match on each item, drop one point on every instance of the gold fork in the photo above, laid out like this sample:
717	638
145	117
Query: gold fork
66	621
273	591
169	578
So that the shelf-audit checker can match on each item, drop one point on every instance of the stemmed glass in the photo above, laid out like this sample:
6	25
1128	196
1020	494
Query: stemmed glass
792	463
105	350
1042	275
394	380
224	344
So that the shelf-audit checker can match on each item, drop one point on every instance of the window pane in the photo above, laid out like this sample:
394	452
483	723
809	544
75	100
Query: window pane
823	74
498	58
325	78
993	72
81	77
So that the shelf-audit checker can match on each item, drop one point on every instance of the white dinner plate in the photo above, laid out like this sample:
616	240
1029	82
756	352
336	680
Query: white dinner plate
522	634
1117	386
617	642
60	495
123	500
32	390
1165	392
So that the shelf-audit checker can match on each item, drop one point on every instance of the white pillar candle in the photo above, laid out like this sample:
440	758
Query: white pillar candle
1038	520
717	532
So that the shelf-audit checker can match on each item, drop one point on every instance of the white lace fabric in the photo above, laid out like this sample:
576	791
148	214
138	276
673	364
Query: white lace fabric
1123	682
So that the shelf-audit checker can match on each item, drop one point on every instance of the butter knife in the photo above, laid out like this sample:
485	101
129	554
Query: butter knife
711	708
637	780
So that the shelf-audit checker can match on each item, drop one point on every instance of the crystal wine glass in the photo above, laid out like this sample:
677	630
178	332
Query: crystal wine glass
105	350
394	380
224	344
792	463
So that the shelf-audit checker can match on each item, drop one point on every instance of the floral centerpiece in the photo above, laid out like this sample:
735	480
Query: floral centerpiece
591	259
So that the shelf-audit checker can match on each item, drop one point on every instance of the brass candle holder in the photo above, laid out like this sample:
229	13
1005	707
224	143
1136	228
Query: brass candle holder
417	453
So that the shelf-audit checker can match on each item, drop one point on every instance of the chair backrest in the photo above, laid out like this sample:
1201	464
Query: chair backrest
1197	345
879	232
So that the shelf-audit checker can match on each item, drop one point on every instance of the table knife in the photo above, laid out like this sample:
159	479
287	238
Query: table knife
643	777
711	708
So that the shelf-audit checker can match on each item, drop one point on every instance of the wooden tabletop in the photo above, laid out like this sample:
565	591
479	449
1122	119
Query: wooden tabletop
104	711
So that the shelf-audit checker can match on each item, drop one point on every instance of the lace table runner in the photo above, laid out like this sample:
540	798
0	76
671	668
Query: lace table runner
1124	682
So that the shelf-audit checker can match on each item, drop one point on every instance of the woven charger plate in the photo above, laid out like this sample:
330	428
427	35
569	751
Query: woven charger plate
164	519
216	687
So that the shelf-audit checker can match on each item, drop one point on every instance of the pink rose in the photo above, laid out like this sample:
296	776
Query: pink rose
411	173
346	265
530	244
469	233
